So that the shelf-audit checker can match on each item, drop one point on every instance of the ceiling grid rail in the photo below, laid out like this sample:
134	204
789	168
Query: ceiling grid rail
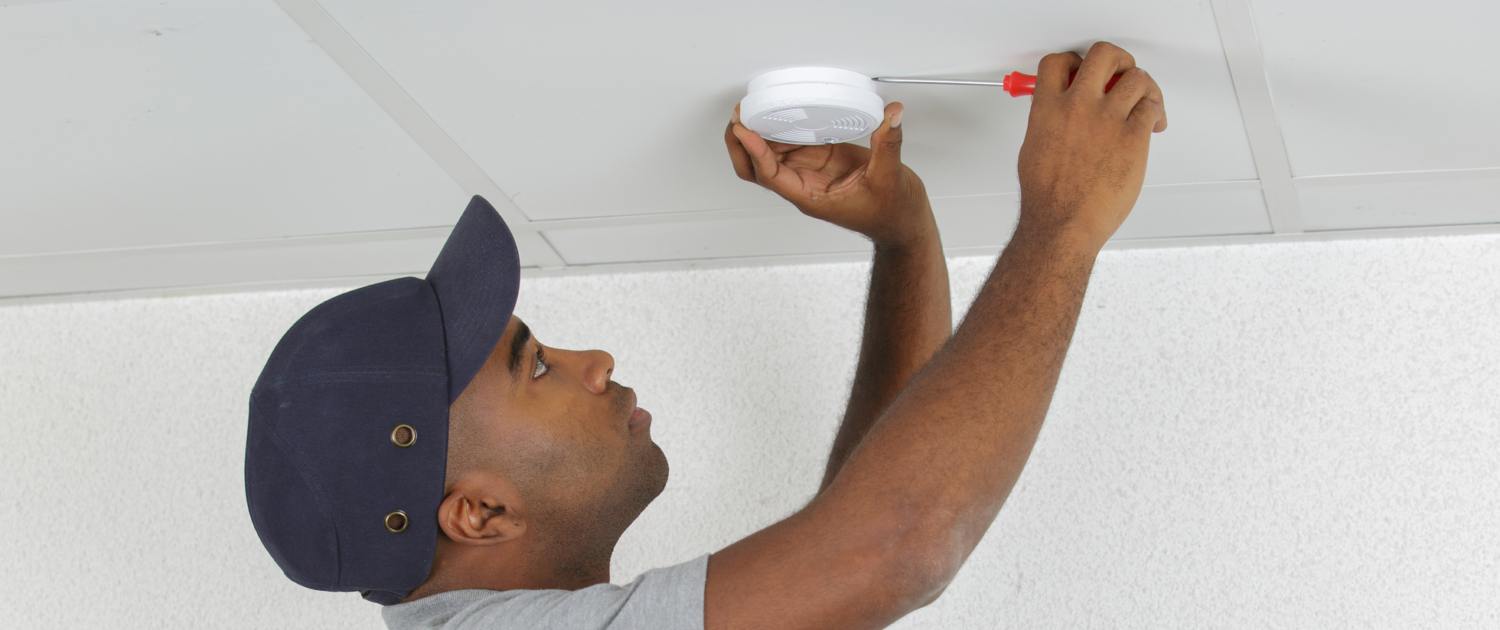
350	281
1247	71
785	211
375	81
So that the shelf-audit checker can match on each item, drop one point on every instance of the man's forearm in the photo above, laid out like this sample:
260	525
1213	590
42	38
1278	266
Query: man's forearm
943	458
908	317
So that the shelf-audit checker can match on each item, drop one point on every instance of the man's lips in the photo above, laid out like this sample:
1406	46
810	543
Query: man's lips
638	416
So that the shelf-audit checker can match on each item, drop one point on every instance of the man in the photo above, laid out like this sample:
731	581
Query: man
414	441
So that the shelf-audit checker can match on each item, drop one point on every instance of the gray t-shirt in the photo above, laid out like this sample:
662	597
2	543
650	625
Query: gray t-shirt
669	598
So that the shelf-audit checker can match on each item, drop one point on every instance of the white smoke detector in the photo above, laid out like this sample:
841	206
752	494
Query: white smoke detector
812	106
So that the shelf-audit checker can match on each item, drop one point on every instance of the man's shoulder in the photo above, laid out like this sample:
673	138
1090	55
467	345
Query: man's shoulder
670	598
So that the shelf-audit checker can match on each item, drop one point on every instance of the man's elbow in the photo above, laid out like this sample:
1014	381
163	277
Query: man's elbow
934	596
925	568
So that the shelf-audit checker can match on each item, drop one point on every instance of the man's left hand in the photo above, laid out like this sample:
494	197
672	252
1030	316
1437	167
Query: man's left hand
865	190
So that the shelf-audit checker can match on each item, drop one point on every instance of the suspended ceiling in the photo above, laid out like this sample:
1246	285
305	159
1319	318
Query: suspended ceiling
168	147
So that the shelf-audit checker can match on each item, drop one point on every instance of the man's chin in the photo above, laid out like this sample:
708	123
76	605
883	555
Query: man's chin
656	472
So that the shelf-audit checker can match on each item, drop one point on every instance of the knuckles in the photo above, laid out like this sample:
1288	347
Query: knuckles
1106	49
1063	59
1103	47
1132	80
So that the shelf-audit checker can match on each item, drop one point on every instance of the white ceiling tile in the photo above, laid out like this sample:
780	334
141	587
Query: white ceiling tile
599	109
1380	86
150	127
1338	203
151	123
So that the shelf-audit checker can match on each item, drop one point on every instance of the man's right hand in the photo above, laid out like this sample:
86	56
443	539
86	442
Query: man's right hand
1084	158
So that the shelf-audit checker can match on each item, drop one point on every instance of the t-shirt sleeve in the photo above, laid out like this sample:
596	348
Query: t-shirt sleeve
668	598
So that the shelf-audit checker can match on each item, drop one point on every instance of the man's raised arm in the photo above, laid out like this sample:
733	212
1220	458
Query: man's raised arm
908	316
920	490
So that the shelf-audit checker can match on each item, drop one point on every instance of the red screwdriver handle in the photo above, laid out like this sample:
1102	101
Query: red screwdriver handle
1019	84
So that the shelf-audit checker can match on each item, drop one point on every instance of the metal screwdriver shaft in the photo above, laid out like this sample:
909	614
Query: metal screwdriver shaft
940	81
1016	83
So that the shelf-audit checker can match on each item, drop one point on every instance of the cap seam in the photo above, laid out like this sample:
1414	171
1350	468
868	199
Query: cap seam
427	374
443	325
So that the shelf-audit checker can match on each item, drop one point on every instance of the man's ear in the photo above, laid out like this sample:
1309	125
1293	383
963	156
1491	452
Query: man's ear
481	509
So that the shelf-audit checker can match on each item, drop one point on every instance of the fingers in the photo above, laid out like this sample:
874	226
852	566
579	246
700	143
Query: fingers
885	146
1104	60
1052	73
1155	95
737	154
1148	115
1136	87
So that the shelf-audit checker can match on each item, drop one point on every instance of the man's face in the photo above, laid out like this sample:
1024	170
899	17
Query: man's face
573	441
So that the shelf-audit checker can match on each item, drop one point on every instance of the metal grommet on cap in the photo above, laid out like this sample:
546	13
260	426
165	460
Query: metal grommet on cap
395	522
403	435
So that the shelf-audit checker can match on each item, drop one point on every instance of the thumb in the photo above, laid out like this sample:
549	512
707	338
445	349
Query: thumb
761	155
885	146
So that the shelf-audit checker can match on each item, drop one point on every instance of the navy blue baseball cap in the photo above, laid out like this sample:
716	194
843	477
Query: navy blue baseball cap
347	447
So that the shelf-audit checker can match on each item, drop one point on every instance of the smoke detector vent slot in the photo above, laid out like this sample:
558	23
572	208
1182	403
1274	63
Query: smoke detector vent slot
851	123
812	106
797	136
787	115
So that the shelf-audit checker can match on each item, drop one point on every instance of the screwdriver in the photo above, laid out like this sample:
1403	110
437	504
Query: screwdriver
1016	83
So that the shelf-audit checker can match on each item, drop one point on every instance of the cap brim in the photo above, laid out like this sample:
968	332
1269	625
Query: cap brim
476	277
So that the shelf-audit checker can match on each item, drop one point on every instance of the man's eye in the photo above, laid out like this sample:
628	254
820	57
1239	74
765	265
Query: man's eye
541	368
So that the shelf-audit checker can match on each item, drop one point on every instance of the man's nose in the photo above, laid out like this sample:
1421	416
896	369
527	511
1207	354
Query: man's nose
598	367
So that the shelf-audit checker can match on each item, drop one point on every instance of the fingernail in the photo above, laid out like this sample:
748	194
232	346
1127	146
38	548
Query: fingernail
896	120
735	117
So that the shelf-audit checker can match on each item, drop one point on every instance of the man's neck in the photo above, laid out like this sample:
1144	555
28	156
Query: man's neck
508	567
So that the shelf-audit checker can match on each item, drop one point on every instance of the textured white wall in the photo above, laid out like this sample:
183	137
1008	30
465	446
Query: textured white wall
1285	435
